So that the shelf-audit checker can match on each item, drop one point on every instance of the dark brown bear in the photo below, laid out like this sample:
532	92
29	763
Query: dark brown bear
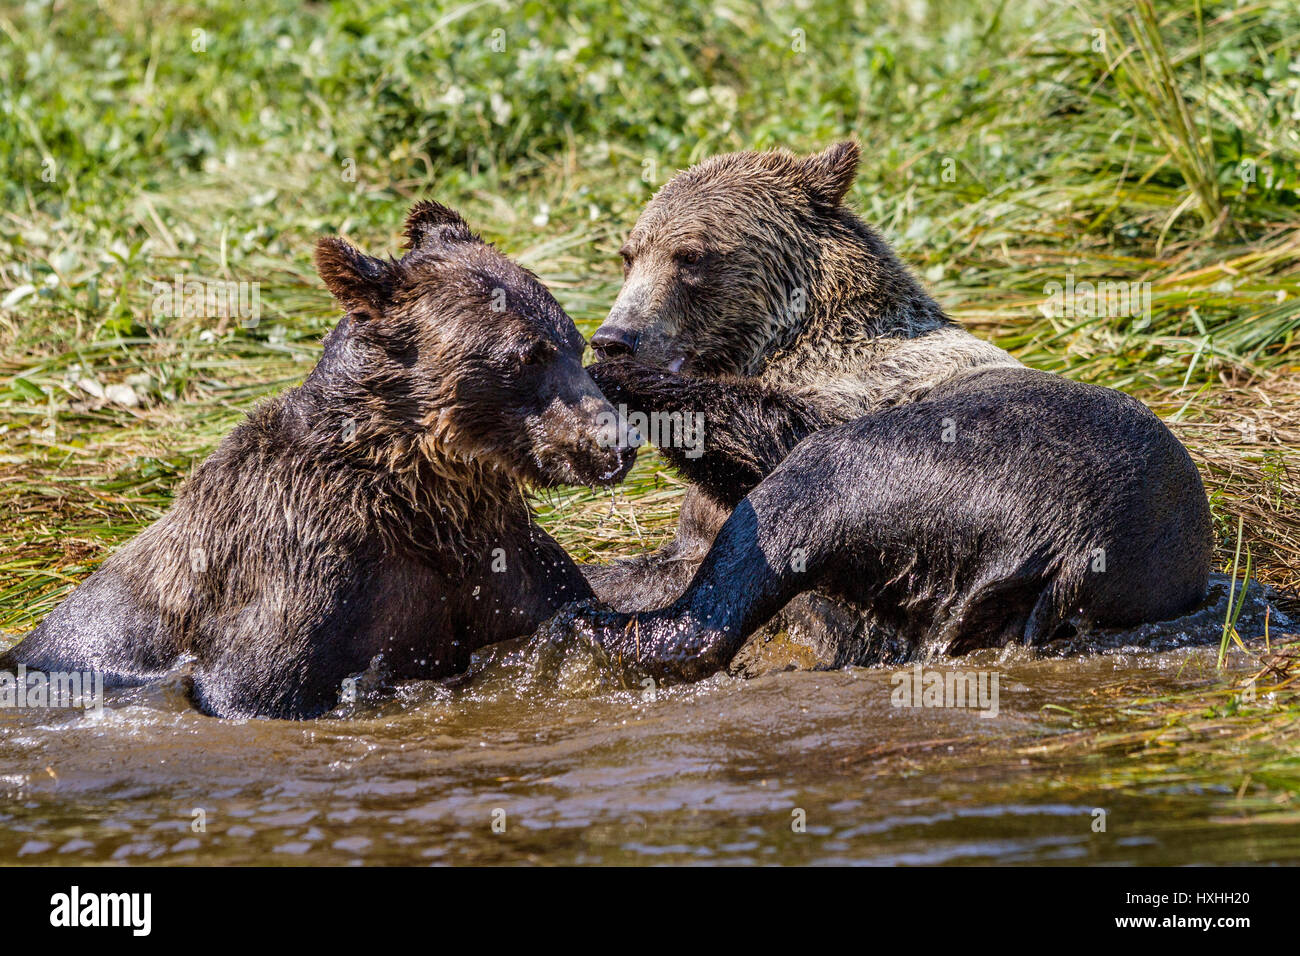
873	451
377	509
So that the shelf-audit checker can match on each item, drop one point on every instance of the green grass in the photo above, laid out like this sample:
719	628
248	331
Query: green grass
1007	145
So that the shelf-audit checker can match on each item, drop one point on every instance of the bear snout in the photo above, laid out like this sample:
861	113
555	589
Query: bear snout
581	444
614	341
643	322
621	332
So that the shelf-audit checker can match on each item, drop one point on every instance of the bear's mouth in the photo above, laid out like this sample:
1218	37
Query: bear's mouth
599	466
568	450
674	362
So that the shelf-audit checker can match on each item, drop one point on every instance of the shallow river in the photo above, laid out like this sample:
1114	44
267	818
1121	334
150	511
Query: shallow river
533	762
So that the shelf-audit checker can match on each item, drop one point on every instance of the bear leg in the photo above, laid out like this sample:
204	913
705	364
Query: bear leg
774	545
724	436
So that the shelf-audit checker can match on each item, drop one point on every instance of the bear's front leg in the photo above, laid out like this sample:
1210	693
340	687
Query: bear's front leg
783	538
725	436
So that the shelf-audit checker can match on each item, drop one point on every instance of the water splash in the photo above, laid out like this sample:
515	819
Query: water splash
561	659
1199	627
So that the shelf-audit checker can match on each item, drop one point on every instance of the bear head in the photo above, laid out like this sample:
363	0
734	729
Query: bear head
463	354
722	264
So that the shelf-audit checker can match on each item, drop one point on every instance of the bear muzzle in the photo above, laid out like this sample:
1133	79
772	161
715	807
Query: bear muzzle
581	444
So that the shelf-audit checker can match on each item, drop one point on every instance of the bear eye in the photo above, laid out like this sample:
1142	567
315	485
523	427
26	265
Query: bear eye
537	353
689	257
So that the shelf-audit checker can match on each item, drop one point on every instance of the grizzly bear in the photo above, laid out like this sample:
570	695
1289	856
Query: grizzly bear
861	445
374	512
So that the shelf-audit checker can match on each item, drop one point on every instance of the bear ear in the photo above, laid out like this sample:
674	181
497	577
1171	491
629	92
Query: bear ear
832	171
430	222
362	284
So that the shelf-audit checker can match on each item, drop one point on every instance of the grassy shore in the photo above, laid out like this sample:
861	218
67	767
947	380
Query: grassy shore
1008	147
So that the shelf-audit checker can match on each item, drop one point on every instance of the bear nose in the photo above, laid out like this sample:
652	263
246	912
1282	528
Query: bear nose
612	341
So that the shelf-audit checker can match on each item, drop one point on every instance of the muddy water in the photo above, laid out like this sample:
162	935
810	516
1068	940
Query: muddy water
795	767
